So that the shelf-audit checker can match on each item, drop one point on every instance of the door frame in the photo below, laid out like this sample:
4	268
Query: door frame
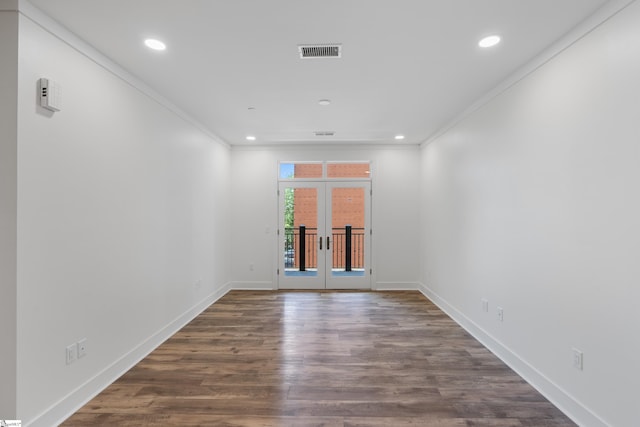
300	281
324	279
334	281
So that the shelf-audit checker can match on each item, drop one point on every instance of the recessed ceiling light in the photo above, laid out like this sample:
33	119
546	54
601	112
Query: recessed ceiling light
324	102
399	137
155	44
251	138
489	41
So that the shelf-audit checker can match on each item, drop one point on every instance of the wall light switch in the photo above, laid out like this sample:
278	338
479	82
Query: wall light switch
577	359
71	354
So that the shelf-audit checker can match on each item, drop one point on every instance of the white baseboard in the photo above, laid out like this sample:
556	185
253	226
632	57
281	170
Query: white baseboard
253	286
554	393
396	286
68	405
271	286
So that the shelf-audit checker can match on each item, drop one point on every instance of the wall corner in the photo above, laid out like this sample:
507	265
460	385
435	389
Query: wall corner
9	19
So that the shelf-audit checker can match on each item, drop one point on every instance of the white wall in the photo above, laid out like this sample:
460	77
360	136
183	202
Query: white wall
123	211
394	211
533	203
8	209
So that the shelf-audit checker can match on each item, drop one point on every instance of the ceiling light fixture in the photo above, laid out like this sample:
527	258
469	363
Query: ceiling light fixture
155	44
324	102
489	41
399	137
251	138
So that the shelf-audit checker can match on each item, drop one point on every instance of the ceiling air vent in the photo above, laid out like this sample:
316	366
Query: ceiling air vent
325	133
309	51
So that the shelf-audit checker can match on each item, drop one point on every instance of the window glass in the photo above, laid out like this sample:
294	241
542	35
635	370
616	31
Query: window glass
348	170
300	170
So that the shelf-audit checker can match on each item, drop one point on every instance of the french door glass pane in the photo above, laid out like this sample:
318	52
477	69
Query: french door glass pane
347	231
301	232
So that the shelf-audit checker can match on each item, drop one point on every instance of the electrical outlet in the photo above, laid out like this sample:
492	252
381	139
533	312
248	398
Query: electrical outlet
577	359
71	353
82	348
501	314
485	305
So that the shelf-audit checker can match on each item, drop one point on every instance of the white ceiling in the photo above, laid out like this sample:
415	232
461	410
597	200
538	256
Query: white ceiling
408	66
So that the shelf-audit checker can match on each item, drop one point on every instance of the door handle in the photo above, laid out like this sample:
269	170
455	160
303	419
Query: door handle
328	243
320	242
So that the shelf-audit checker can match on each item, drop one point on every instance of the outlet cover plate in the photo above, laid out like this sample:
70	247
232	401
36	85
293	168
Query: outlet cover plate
82	348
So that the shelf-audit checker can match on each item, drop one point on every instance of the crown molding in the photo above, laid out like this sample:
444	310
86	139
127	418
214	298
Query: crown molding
34	14
602	15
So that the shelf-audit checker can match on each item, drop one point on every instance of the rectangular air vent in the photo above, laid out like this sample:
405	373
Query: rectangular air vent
325	133
309	51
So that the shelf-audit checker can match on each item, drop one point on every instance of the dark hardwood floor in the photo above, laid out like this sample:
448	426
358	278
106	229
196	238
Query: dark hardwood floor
332	359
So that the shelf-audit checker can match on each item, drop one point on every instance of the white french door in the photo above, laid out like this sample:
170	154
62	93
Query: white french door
324	235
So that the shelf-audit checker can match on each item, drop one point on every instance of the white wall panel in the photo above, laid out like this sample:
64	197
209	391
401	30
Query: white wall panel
532	202
123	213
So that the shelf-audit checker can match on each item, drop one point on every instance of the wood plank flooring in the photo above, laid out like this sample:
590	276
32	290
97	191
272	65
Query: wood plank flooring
331	359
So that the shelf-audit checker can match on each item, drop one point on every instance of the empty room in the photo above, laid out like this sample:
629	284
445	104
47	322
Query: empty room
319	213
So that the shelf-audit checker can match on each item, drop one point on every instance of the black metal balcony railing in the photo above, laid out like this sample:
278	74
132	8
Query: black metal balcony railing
348	248
301	246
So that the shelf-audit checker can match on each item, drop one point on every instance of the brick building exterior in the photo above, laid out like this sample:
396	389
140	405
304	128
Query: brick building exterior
347	209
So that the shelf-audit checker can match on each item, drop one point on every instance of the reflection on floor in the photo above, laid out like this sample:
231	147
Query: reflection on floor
321	358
